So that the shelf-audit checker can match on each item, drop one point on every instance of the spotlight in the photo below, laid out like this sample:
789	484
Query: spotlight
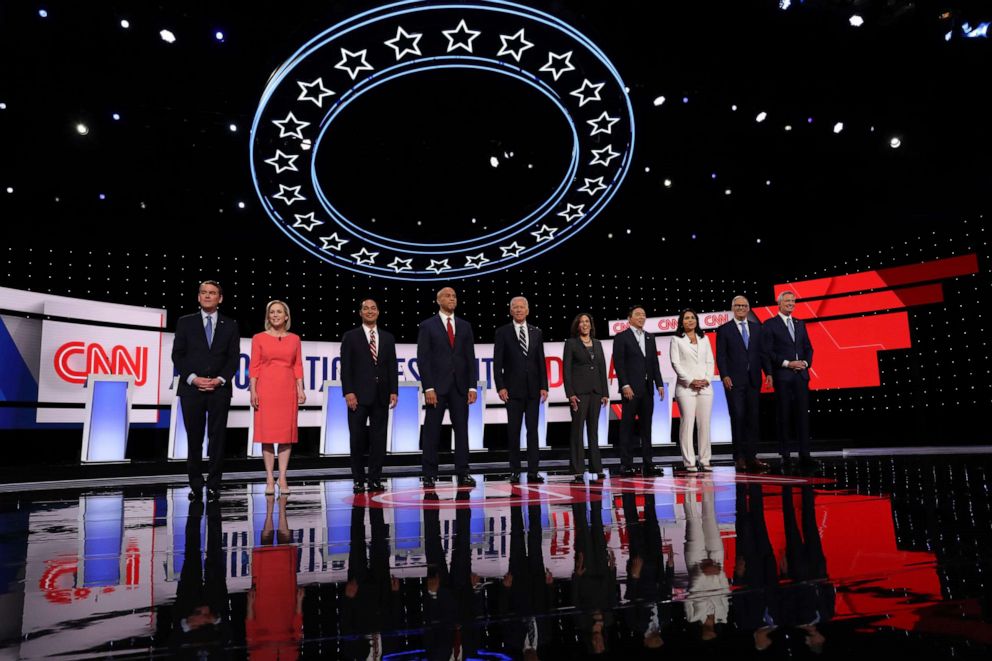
306	144
493	161
761	116
10	189
727	191
734	107
167	36
788	127
668	183
219	36
895	143
856	21
43	13
838	127
116	116
685	99
232	127
659	100
82	129
3	106
241	205
102	196
784	4
125	23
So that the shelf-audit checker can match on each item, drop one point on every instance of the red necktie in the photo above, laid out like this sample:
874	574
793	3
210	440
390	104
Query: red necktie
451	334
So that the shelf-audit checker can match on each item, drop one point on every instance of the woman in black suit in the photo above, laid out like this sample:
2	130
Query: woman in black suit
587	391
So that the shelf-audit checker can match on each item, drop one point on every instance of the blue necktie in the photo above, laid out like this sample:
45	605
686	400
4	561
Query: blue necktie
210	330
792	330
744	334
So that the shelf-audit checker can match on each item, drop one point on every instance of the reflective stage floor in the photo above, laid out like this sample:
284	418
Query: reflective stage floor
875	555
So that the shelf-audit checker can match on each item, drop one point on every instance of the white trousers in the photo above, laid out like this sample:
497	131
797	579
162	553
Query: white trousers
695	411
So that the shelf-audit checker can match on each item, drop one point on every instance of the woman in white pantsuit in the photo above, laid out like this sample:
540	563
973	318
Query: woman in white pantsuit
692	359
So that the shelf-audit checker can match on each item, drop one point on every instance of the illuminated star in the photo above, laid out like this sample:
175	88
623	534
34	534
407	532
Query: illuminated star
557	71
515	52
361	65
511	250
297	126
333	239
363	256
462	29
476	260
401	264
412	40
581	92
572	211
281	195
306	92
280	166
600	159
545	233
438	265
589	188
306	221
597	124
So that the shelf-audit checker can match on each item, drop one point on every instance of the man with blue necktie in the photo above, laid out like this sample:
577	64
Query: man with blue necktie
787	355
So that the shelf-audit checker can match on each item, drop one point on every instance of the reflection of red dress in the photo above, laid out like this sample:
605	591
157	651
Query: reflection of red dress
276	630
277	364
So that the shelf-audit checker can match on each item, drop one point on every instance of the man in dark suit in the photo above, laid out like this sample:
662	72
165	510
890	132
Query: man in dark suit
206	351
635	360
522	382
371	387
788	355
449	374
738	357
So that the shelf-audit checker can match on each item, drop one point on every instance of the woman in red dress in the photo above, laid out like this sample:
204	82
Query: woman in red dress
276	372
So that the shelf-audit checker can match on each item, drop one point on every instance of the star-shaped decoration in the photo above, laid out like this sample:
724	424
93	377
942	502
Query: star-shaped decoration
600	158
409	43
296	131
476	261
363	256
307	92
281	195
558	64
358	62
598	124
592	95
459	37
438	265
306	221
572	211
401	264
593	189
512	250
545	233
282	162
518	38
332	242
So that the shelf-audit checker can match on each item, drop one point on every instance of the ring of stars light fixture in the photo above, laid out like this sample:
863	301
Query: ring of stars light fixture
307	93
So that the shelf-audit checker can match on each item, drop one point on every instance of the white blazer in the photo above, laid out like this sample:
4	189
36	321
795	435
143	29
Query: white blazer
691	364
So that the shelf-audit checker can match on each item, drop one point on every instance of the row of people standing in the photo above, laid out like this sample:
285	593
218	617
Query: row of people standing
206	353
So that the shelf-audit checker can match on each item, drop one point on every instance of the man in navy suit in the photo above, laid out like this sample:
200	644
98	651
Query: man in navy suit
522	382
635	360
449	374
738	357
206	351
788	355
371	387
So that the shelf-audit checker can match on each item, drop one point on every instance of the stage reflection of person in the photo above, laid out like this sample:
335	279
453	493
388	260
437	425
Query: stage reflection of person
455	599
708	600
371	601
594	578
201	608
649	572
527	593
757	603
274	618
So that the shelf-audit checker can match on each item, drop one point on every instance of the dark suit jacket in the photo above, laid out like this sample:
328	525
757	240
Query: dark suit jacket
523	377
359	375
742	365
443	368
191	355
777	345
584	375
633	368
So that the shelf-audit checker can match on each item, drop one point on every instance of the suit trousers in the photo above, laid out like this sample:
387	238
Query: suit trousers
742	402
457	406
527	411
586	416
368	440
792	408
643	407
205	410
695	411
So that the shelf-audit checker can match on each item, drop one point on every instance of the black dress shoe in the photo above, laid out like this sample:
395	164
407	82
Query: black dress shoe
758	466
627	471
359	487
514	478
741	464
428	482
601	477
213	495
535	478
651	471
376	485
466	481
196	495
579	479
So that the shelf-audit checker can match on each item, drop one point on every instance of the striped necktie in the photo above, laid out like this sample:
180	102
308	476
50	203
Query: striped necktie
372	347
522	340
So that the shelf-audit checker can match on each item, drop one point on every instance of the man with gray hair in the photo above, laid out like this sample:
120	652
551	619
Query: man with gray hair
521	376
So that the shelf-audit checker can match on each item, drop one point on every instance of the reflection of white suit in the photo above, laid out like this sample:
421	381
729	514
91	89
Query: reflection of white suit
708	595
690	362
